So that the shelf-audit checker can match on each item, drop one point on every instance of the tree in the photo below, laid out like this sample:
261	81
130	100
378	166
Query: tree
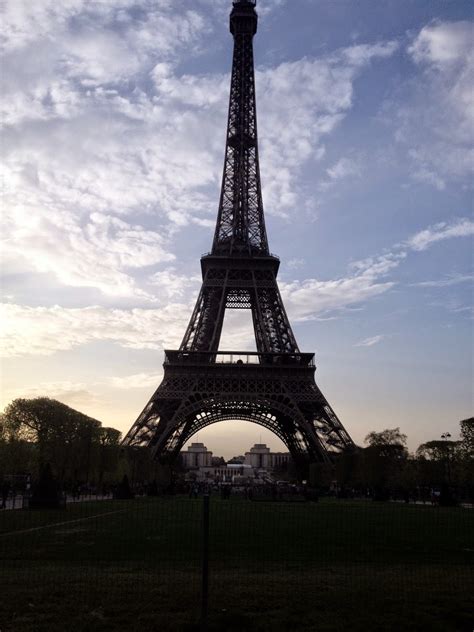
218	461
431	458
467	437
348	465
389	442
16	456
63	436
466	449
383	460
109	451
438	450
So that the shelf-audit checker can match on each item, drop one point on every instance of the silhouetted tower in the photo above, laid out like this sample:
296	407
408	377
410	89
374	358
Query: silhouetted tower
275	386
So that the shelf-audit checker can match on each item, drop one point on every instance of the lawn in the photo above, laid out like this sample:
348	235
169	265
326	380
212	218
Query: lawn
135	566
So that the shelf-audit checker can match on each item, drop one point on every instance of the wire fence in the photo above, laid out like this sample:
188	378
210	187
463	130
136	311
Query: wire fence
229	562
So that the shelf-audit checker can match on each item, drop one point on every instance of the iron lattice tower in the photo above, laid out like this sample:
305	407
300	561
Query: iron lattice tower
275	386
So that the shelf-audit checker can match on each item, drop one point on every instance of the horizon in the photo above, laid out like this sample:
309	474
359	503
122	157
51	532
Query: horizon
114	134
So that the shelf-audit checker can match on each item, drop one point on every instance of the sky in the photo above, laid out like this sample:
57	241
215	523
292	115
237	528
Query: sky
113	132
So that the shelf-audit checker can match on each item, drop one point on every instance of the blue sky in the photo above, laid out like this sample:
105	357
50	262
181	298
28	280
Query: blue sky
113	125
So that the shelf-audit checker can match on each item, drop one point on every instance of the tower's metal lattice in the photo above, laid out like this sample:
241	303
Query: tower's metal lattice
275	386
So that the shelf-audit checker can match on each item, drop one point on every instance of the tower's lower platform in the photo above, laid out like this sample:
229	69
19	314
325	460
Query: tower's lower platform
277	391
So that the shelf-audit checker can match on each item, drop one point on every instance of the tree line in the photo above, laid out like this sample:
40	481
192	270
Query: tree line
440	469
78	449
40	432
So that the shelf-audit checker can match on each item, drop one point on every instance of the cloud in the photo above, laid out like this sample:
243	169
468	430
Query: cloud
43	331
109	151
447	281
87	25
172	286
312	298
437	120
424	174
439	232
370	342
295	263
222	7
304	101
85	139
454	306
72	393
98	251
442	43
138	380
344	168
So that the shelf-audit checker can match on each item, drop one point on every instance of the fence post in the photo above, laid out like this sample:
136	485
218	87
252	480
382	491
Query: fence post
205	561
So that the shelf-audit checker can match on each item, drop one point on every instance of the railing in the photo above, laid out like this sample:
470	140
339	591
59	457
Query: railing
240	358
242	255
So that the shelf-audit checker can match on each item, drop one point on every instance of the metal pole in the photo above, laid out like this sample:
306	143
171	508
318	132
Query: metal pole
205	561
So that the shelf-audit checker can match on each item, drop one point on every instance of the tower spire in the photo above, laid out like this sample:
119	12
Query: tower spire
240	225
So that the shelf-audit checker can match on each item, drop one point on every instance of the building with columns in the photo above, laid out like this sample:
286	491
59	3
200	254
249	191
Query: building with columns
259	459
196	456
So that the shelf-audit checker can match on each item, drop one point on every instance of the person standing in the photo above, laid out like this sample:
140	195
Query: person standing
5	493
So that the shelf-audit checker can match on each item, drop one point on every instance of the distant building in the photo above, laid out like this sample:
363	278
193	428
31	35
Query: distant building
258	457
197	456
261	458
258	461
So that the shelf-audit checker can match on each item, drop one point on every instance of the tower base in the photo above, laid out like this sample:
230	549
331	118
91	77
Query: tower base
276	391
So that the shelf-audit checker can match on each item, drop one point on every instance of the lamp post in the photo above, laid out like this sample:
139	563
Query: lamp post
445	436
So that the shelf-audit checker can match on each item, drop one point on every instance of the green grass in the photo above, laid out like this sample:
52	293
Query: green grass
135	565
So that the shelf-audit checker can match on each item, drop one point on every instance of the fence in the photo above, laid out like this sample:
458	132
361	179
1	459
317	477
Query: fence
180	563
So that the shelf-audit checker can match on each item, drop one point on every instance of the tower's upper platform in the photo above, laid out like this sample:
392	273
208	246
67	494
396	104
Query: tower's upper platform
243	18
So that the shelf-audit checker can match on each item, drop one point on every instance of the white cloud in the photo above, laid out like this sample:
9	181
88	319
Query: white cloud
91	34
437	123
173	286
442	43
43	331
138	380
295	263
97	251
447	281
71	393
222	7
306	300
108	151
423	174
304	101
370	342
311	298
344	168
439	232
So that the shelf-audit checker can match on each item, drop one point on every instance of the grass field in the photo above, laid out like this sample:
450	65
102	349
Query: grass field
135	566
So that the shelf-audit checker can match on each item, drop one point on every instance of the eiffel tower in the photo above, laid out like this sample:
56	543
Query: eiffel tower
275	386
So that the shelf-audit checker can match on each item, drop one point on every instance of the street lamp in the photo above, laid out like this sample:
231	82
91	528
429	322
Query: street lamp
446	436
